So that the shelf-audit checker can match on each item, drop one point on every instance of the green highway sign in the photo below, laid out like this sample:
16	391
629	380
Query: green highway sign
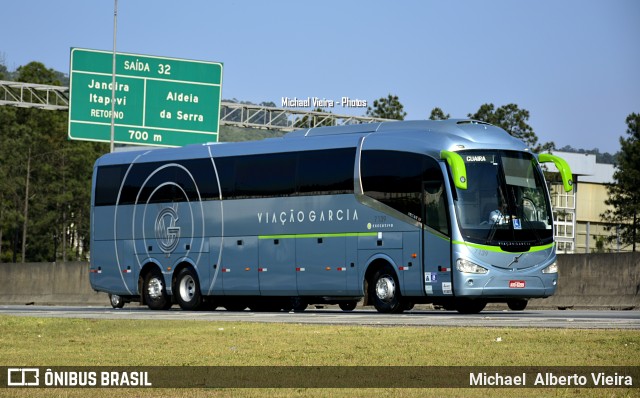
158	101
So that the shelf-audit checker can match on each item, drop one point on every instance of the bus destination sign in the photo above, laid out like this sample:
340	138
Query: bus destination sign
158	101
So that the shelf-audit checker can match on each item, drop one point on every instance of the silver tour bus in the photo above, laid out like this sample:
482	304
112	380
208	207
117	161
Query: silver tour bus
455	213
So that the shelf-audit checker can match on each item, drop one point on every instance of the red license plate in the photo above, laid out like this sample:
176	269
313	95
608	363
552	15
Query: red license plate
517	284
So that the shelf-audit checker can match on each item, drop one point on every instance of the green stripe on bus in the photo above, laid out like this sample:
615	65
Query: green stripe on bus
306	236
497	249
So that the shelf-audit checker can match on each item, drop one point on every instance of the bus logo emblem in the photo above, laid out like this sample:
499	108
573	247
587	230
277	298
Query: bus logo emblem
167	234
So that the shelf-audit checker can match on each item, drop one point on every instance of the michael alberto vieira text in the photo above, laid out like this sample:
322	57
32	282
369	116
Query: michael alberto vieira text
548	379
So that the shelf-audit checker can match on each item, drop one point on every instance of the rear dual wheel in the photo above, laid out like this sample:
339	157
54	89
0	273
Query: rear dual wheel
155	291
188	293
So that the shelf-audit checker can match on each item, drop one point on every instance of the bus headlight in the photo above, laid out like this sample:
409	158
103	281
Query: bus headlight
552	269
469	267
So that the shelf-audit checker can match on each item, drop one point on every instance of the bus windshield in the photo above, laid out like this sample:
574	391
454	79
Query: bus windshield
506	203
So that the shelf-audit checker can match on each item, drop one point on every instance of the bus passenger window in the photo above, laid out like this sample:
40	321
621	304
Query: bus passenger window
108	181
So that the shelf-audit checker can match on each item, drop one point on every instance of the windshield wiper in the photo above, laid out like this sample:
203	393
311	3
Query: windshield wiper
500	218
530	226
496	220
492	232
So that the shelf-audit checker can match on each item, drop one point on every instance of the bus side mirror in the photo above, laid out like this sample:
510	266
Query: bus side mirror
459	170
562	166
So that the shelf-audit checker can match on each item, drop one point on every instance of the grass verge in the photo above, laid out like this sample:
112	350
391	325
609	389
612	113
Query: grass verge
86	342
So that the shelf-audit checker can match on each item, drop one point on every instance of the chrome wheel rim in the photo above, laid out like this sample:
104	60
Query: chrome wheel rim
155	288
187	288
115	300
386	288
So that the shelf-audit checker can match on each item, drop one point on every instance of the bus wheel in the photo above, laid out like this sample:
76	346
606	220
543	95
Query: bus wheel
466	306
517	305
385	292
188	289
348	305
116	301
155	292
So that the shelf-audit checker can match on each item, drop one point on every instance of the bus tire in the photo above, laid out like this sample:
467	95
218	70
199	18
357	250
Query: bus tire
467	306
517	305
188	290
116	301
348	305
384	291
155	292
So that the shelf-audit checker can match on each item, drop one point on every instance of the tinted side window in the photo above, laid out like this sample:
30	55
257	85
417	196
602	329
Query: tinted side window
157	182
201	170
326	172
323	172
403	180
108	180
137	189
263	176
394	178
226	171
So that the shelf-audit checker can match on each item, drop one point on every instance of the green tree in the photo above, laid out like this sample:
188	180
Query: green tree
624	193
438	114
514	120
45	180
10	182
36	72
387	108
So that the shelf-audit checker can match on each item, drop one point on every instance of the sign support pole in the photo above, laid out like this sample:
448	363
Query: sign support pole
113	75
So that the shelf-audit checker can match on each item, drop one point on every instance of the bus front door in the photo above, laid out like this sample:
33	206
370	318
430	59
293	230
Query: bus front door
436	240
437	264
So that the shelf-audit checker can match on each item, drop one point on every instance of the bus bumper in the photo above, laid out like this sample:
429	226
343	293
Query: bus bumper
506	286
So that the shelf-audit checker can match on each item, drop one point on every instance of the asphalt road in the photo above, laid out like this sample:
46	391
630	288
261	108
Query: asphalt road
569	319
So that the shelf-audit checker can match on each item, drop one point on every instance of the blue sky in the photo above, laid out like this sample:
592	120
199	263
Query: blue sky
574	64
